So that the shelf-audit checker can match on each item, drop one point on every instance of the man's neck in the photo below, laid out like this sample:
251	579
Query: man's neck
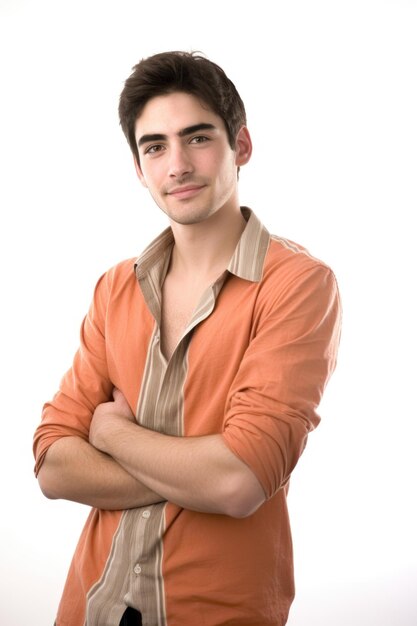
203	250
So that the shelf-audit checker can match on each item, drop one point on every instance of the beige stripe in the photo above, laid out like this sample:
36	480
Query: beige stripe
151	284
289	245
152	254
105	604
157	603
249	257
153	376
137	545
146	592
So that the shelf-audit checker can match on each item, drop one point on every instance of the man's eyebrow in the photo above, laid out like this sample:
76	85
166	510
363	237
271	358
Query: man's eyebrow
154	137
194	129
182	133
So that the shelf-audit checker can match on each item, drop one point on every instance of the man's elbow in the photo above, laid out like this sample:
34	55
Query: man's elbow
240	510
46	483
244	498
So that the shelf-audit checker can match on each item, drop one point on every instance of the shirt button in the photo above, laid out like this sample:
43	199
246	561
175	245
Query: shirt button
137	569
146	514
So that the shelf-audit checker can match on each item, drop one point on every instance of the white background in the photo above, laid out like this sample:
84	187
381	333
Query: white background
330	91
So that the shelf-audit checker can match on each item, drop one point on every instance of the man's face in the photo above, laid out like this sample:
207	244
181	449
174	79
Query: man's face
186	161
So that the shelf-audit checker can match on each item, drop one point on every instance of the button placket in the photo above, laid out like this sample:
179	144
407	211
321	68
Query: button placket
145	515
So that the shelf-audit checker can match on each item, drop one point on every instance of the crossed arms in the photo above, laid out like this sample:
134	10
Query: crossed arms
92	451
124	466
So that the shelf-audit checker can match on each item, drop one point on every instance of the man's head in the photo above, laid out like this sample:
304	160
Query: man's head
191	73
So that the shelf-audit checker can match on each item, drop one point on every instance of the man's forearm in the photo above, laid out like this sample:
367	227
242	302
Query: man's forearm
198	473
74	470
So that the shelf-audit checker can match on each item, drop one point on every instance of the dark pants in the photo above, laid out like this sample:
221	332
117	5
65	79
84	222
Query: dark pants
131	617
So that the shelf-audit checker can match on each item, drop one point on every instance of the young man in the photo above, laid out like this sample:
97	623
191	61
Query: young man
196	384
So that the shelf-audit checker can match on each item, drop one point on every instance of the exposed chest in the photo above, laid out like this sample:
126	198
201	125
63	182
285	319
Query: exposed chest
178	305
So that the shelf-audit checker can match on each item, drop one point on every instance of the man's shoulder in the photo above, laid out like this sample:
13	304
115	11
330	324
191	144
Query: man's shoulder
289	264
118	277
122	270
285	255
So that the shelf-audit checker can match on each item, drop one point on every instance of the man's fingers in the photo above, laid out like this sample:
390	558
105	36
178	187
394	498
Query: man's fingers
117	394
121	401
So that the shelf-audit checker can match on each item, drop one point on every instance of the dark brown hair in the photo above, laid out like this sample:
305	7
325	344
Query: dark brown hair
187	72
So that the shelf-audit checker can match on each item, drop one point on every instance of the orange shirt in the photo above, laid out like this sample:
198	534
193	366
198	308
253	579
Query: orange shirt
252	365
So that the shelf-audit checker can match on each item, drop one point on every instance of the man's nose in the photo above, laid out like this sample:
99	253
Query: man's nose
180	162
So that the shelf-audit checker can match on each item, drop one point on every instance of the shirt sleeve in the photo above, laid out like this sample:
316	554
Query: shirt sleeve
273	400
83	387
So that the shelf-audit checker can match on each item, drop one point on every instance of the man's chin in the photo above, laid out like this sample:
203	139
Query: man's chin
189	217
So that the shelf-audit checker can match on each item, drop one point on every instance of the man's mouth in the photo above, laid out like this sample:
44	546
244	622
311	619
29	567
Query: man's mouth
185	191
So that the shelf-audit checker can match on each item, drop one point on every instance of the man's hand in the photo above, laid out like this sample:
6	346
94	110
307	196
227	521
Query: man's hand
109	419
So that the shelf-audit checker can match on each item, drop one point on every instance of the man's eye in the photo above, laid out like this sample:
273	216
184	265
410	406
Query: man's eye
199	139
153	149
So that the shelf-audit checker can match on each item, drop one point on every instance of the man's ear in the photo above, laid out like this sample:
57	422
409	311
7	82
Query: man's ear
139	171
243	146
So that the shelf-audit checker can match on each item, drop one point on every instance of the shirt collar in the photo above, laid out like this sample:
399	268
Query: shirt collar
247	261
248	258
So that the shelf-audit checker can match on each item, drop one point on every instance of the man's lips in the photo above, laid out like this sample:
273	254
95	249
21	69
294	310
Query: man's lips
186	191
